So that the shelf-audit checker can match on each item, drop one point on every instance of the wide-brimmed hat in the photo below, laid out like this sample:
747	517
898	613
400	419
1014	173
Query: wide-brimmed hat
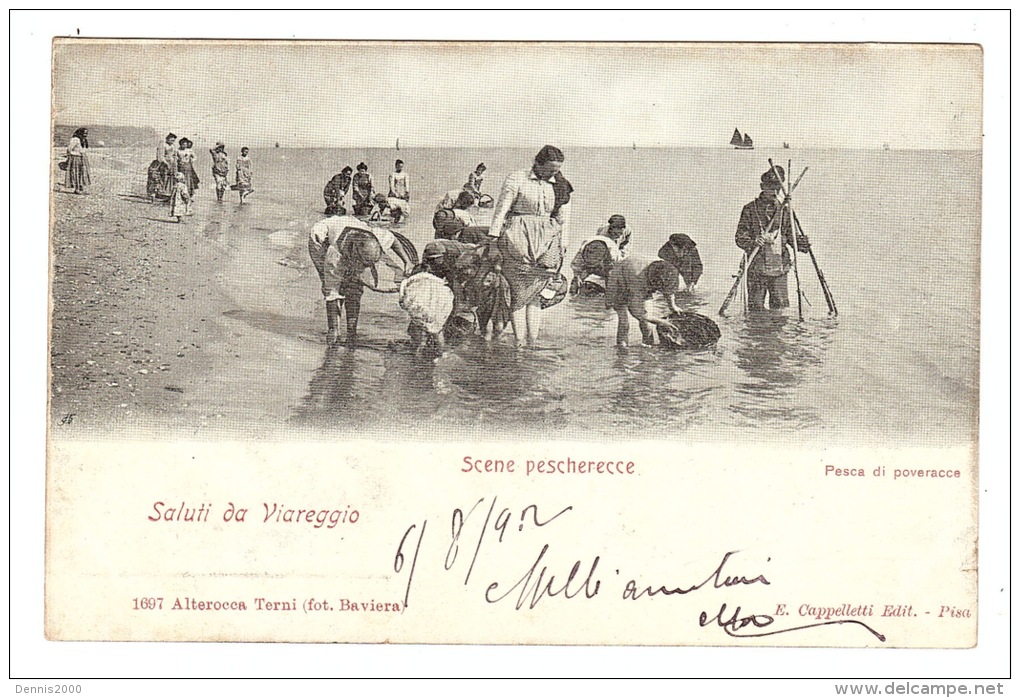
219	144
617	221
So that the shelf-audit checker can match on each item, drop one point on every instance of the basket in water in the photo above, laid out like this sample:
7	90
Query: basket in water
693	331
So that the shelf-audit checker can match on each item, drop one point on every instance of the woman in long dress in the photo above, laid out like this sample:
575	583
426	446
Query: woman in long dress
186	165
78	174
362	190
243	175
530	218
162	176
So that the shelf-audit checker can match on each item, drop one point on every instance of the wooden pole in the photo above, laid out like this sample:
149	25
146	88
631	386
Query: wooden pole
796	271
829	300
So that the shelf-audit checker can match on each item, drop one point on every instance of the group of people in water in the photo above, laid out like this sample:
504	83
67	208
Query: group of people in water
474	278
172	177
365	200
478	278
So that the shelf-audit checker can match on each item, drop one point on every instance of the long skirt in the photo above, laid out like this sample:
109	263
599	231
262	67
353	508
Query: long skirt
78	174
532	251
162	179
190	176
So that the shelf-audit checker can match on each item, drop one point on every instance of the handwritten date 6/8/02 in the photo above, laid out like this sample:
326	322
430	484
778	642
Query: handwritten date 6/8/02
506	521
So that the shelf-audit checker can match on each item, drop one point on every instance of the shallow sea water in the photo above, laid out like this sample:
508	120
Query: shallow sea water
896	234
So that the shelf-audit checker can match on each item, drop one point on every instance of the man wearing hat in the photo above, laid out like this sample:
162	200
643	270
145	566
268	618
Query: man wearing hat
765	234
220	168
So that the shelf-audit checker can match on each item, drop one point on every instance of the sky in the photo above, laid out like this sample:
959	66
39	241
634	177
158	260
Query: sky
368	94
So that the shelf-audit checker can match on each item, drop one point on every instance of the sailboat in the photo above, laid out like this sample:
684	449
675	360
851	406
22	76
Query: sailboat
741	143
398	144
786	146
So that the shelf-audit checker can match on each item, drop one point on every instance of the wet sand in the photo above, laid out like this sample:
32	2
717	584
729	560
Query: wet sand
142	337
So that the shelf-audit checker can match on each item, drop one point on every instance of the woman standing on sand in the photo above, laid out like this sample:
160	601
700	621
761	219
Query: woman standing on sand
186	165
531	218
163	171
78	174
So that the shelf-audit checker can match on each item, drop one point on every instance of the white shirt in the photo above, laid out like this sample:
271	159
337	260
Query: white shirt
524	193
329	229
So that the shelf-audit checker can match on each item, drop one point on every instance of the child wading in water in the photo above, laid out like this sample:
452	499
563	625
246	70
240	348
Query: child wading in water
243	177
180	199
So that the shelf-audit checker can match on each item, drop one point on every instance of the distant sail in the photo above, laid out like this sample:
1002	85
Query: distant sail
748	143
736	140
786	145
398	144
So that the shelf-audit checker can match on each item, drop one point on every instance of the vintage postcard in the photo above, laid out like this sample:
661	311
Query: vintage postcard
651	344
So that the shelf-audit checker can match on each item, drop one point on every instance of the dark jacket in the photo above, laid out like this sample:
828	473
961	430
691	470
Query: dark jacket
755	219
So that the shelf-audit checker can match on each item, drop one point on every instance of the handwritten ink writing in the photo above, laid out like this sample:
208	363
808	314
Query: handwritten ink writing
716	579
537	588
735	623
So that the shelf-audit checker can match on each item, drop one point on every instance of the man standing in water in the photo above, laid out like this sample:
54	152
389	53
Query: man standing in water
220	169
765	234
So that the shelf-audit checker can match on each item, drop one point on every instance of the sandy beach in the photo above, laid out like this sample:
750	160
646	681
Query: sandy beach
141	338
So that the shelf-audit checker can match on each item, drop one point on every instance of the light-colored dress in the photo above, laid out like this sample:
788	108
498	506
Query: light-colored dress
244	173
399	187
530	236
180	200
78	174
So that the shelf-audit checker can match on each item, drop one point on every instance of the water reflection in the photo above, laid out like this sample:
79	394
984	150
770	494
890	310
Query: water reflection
777	355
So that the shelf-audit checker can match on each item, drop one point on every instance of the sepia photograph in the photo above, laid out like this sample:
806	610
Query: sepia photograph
711	245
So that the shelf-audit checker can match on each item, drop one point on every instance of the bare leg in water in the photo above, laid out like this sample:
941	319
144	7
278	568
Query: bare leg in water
527	322
353	307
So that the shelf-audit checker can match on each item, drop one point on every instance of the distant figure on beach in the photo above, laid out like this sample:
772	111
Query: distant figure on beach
163	170
180	199
396	208
765	235
335	192
474	181
349	255
362	188
399	185
186	165
79	174
531	218
220	168
243	175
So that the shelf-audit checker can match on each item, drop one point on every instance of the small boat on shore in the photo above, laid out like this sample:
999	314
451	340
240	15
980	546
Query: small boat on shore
741	142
